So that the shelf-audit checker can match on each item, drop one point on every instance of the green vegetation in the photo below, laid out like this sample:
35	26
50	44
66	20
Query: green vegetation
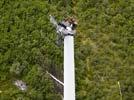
104	49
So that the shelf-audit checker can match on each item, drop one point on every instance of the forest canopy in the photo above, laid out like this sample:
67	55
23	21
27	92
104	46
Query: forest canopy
104	49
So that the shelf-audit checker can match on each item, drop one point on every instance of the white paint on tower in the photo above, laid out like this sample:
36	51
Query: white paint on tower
69	71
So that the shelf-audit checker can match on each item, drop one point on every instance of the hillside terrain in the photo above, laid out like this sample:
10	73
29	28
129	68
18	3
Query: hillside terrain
104	49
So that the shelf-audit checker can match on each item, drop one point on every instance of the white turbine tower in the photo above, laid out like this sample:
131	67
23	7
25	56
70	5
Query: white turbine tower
64	29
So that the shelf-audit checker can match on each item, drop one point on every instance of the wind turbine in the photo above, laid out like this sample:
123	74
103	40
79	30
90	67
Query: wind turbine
65	30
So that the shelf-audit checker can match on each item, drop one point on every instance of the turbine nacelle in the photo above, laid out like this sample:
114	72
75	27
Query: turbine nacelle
63	28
